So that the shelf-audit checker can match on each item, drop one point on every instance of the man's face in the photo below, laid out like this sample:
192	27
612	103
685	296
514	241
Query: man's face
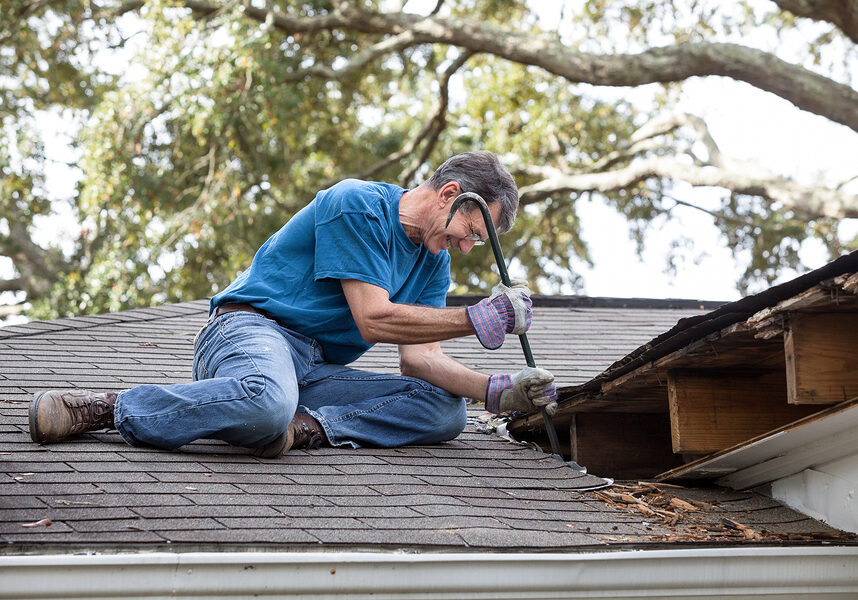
465	231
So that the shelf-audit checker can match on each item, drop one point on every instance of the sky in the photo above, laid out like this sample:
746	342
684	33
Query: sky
746	123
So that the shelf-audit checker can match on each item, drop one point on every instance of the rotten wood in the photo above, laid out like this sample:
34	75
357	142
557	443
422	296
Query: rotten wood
821	351
573	440
743	352
849	283
711	410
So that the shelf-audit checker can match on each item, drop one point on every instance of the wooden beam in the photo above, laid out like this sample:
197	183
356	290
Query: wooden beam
711	410
821	352
622	445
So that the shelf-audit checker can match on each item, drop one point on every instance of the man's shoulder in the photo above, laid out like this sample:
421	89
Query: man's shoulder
360	190
355	196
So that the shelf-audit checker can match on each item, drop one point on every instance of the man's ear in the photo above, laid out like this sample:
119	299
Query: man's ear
449	192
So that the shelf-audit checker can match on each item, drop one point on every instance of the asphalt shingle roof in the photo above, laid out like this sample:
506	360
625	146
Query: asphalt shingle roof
478	491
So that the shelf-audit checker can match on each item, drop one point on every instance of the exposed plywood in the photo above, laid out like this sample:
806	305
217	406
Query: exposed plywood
816	298
648	395
821	351
712	410
849	283
733	347
622	445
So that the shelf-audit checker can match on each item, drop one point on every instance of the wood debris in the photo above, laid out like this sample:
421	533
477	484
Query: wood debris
652	501
849	283
39	523
694	521
747	532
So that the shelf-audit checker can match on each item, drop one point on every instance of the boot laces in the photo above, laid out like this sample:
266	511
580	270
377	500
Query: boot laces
89	412
307	437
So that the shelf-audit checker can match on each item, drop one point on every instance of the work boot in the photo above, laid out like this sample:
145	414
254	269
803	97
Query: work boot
57	414
303	432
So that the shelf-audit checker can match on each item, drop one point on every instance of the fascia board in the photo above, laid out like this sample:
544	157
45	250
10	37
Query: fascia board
783	453
795	451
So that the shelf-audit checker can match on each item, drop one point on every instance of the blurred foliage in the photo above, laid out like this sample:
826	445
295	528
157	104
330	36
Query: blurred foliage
214	135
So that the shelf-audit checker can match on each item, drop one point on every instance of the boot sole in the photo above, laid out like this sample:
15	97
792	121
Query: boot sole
276	449
34	412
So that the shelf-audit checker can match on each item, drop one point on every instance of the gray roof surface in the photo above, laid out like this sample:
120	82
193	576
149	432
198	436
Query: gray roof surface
476	492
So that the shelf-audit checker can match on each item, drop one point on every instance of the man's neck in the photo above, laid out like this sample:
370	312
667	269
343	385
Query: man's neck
414	212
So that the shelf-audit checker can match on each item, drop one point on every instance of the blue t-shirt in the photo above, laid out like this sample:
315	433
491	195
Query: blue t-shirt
349	231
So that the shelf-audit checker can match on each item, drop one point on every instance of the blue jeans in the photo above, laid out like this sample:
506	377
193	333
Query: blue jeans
250	377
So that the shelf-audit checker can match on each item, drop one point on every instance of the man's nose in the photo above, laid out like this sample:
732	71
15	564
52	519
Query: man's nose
466	246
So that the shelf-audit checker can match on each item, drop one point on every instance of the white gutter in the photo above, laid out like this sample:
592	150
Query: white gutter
793	572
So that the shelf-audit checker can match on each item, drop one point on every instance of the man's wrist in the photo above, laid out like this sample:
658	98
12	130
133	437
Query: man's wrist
487	324
495	387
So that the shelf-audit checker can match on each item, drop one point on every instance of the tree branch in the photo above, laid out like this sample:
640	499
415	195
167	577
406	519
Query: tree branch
429	132
715	213
360	60
24	250
805	89
841	13
8	310
664	125
13	285
739	179
439	119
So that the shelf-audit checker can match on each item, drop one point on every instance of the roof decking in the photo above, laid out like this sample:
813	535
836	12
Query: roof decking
478	491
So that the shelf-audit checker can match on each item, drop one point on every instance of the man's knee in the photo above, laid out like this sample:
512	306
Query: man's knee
453	418
270	408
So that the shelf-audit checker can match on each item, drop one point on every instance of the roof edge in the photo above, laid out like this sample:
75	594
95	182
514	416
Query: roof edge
540	300
693	328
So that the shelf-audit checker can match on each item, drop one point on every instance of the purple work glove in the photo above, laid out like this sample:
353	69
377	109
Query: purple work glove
528	390
507	310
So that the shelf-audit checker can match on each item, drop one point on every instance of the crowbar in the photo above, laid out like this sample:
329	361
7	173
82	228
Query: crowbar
504	275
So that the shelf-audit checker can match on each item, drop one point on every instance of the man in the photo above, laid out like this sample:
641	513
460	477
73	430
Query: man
363	263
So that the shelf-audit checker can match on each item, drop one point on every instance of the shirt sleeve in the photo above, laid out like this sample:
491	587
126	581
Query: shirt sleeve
352	245
435	292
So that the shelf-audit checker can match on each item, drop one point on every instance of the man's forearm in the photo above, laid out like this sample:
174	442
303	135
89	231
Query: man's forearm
382	321
412	324
440	370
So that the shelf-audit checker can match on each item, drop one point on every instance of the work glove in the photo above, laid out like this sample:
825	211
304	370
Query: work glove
507	310
528	390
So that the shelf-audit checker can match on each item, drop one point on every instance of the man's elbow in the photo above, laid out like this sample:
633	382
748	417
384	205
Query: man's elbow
370	334
371	327
415	364
408	366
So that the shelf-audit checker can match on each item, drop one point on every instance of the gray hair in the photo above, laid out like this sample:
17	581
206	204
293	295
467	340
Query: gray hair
481	172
